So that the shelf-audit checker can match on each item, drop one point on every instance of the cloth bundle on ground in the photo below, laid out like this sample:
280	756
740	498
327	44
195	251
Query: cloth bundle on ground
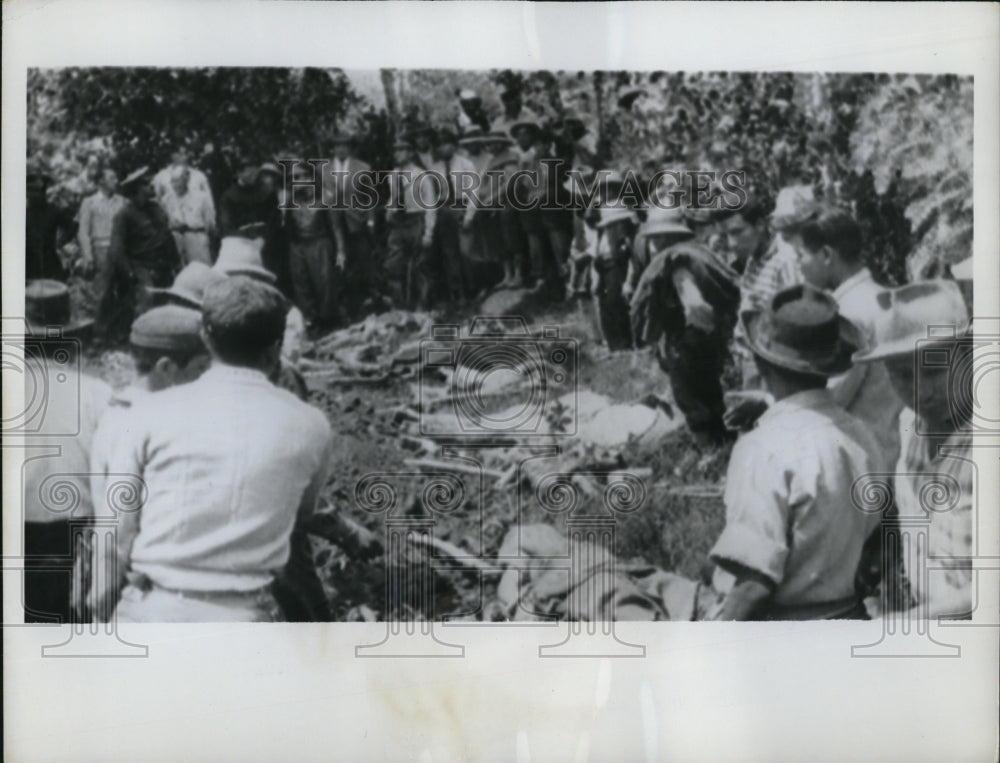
533	589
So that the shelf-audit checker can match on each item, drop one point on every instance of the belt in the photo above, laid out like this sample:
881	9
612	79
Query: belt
145	583
851	608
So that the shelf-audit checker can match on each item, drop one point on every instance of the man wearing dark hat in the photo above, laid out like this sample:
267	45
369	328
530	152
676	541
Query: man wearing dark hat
143	254
411	233
69	404
792	541
353	214
227	463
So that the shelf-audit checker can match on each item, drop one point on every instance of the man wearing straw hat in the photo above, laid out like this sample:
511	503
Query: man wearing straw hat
615	231
932	374
792	543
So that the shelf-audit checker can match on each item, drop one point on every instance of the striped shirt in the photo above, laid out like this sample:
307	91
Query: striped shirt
764	276
922	466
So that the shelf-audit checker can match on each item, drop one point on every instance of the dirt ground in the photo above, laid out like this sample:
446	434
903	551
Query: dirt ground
674	529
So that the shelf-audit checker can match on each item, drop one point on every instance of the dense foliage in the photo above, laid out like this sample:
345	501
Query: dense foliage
896	148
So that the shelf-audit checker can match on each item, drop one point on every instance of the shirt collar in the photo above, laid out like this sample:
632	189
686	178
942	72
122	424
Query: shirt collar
862	276
810	399
225	372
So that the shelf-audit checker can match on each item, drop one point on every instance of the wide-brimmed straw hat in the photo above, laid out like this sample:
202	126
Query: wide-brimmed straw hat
526	124
802	331
241	256
927	312
663	221
49	312
189	285
612	215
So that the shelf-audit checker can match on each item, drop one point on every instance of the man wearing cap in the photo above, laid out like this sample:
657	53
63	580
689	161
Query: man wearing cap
227	463
936	446
411	232
192	216
167	350
793	542
828	245
353	204
684	306
62	430
97	213
143	254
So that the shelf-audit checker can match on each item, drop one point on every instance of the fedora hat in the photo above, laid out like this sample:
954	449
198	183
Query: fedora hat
802	331
340	137
473	137
189	285
612	215
48	310
241	257
909	311
661	221
526	124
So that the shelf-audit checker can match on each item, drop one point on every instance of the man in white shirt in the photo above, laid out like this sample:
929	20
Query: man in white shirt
167	349
225	465
198	182
793	540
828	245
97	212
192	217
56	490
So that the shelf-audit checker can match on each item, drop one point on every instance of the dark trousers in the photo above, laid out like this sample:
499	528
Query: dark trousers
361	273
127	295
311	264
612	306
405	267
447	245
298	588
48	571
514	240
695	362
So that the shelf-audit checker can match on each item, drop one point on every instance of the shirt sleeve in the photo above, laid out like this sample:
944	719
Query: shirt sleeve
310	496
757	512
83	232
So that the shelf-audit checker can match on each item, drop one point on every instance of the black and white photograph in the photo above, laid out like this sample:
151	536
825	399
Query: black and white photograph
434	351
296	297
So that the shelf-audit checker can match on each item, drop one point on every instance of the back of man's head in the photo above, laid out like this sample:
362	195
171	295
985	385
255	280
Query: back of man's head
243	320
832	227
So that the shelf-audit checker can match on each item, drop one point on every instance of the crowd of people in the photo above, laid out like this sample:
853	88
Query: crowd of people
831	383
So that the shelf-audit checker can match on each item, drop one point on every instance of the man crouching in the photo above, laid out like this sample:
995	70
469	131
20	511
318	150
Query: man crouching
793	539
223	466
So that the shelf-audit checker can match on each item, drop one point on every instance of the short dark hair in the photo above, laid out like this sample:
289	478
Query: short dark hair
243	318
753	212
146	358
835	228
799	379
